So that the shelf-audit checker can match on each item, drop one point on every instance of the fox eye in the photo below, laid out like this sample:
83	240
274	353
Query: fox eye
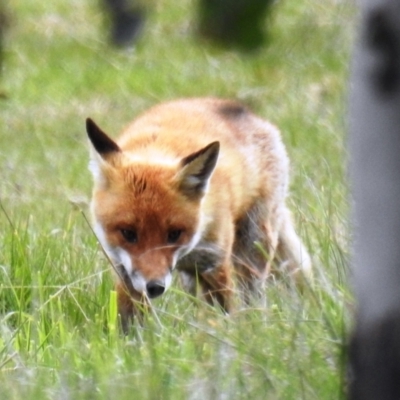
129	235
174	235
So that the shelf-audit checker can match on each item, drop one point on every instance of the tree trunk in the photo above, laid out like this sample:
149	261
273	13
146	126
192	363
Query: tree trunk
375	178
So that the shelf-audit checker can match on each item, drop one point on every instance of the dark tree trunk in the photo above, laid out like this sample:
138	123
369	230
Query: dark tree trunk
375	179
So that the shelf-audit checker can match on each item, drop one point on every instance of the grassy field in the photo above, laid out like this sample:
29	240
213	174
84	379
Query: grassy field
58	323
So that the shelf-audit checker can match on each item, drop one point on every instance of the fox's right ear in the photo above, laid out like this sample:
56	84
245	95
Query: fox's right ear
103	148
102	143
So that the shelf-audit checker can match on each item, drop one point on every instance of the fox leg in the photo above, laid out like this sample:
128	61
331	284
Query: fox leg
130	304
217	286
255	246
291	252
189	282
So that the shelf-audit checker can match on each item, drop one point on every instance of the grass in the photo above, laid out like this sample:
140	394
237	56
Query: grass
58	335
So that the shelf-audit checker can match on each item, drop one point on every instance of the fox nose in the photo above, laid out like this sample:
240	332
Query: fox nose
155	288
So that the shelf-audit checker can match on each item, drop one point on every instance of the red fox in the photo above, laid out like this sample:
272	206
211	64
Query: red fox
192	185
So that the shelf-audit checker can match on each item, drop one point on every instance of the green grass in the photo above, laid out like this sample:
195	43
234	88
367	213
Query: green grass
58	335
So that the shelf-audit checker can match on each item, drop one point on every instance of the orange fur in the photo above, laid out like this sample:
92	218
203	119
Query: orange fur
159	178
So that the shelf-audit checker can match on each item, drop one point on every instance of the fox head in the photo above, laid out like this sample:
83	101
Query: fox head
147	213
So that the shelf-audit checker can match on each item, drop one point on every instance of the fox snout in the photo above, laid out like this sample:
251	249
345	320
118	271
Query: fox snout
153	287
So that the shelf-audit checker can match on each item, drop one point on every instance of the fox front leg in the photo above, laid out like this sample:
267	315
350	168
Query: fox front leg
131	304
217	286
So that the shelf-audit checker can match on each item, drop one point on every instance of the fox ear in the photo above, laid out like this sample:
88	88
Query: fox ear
102	143
196	170
103	147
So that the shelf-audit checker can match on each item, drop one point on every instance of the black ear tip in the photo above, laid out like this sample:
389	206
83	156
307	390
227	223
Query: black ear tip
214	148
216	145
89	124
101	142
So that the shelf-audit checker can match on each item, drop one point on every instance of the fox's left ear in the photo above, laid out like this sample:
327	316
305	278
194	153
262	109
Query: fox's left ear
103	149
196	170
